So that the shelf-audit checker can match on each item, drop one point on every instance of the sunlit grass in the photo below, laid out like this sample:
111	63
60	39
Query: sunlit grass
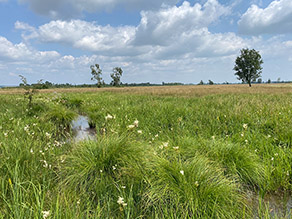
155	156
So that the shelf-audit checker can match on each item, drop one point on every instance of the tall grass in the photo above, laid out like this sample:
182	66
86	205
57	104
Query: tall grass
153	156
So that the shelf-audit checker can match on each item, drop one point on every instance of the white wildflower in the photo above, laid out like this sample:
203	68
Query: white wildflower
269	136
131	126
26	128
45	214
165	144
213	137
246	141
156	136
276	154
136	123
121	201
5	134
101	171
244	126
182	172
108	117
31	150
176	148
45	165
48	135
287	173
114	168
139	131
197	184
242	134
123	187
272	159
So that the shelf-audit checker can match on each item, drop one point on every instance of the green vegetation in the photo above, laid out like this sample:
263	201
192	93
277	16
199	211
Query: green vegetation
215	156
248	66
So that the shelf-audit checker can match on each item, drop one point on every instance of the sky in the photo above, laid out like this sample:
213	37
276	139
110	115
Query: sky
151	40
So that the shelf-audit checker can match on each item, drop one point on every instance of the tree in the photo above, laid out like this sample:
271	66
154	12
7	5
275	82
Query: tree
96	74
210	82
116	76
201	82
248	66
269	81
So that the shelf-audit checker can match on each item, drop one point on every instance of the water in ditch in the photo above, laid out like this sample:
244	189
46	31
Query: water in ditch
81	129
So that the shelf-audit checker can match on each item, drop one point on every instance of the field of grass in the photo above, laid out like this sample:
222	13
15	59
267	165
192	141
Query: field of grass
160	152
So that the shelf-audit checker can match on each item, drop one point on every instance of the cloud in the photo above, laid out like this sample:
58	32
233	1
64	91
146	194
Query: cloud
20	52
164	26
275	19
170	31
74	8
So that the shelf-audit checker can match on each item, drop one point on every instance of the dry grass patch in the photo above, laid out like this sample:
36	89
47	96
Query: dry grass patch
183	90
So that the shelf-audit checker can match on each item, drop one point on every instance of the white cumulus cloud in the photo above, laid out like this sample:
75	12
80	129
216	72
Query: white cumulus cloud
21	52
170	31
275	19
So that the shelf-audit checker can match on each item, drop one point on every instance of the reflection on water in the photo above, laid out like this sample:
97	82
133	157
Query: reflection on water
81	129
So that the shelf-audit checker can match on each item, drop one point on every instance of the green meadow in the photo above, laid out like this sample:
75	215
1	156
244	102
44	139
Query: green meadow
220	155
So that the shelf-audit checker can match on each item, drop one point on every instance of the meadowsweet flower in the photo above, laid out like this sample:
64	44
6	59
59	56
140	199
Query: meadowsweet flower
108	117
48	135
45	165
121	201
213	137
45	214
123	187
26	128
165	144
156	136
131	126
139	131
78	202
136	123
287	173
256	150
276	154
272	159
244	126
5	134
176	148
100	171
114	168
269	136
31	150
197	184
246	141
182	172
242	134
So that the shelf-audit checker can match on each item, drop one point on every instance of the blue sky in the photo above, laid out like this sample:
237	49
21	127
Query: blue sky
152	41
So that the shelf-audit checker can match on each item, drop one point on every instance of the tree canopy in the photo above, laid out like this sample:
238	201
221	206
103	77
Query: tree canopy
96	74
248	66
116	76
